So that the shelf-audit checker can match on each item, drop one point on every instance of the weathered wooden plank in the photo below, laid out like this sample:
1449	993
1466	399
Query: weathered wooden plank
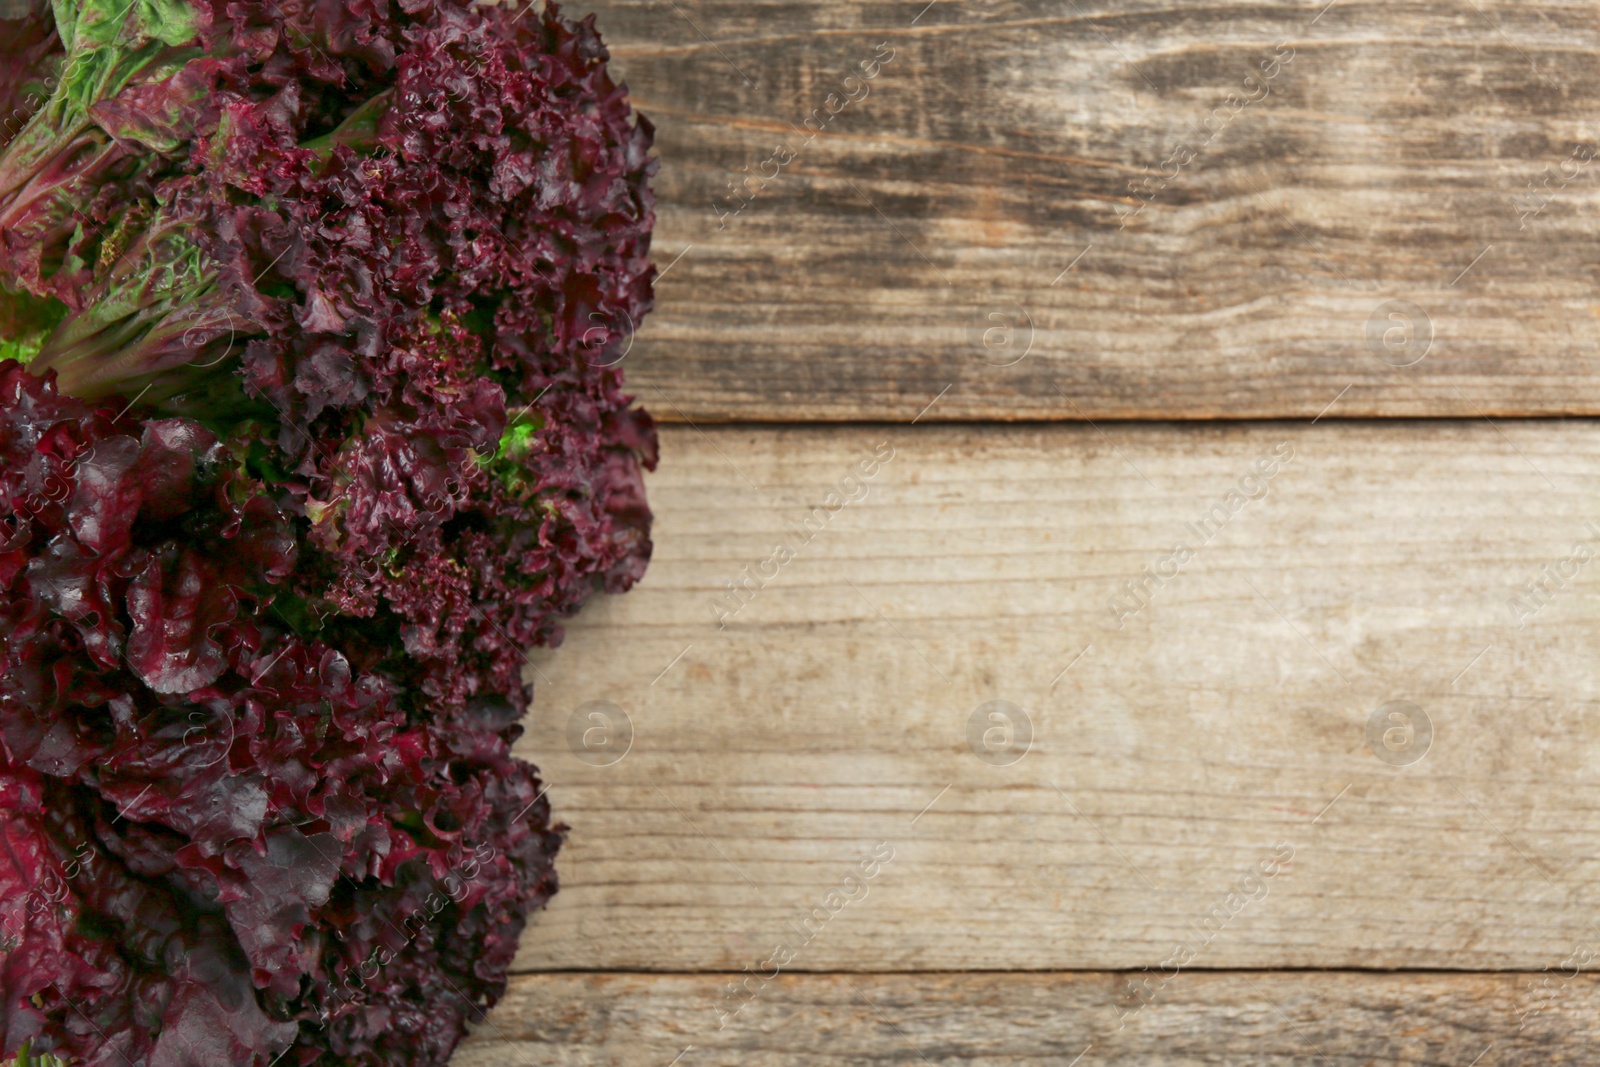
1088	1020
1222	730
1404	143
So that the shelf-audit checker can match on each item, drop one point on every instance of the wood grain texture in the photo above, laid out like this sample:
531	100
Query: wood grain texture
978	1020
1220	724
1404	143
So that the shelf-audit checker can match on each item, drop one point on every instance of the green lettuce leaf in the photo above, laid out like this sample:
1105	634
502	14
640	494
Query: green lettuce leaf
106	45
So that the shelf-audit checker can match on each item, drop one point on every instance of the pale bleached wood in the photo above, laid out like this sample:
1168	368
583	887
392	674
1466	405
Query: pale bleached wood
999	143
986	1020
771	756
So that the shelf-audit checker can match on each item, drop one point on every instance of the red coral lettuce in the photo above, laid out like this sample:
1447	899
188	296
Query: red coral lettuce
267	848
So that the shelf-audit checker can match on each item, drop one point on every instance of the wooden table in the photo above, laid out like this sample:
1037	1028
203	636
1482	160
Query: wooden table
1123	593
